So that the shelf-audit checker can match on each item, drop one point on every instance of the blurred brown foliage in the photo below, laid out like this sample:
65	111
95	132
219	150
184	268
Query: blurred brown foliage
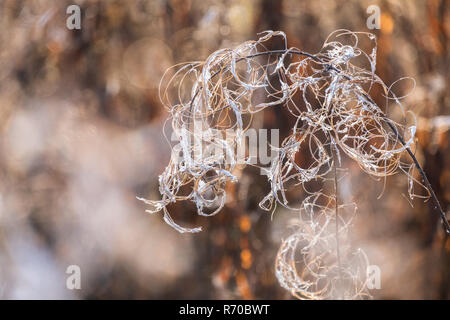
81	136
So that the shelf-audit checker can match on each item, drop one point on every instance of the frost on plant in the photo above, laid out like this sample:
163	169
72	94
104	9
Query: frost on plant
329	95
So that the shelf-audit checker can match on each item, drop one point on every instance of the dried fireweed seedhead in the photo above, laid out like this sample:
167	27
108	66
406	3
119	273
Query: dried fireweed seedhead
329	95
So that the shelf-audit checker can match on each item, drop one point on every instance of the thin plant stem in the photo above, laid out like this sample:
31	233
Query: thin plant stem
437	205
336	208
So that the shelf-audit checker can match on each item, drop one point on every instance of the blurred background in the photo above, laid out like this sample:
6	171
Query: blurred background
81	135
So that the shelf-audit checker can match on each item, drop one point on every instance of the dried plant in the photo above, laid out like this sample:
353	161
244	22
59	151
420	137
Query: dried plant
307	264
329	94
